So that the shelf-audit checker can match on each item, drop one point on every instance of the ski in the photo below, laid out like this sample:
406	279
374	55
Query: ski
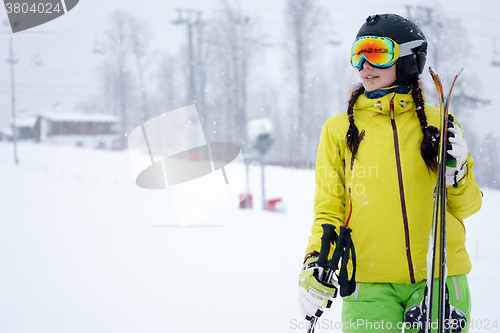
422	315
439	219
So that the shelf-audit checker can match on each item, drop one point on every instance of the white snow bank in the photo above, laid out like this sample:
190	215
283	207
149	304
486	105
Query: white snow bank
85	250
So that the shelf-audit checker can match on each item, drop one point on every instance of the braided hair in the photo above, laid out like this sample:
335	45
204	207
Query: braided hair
430	133
352	133
428	148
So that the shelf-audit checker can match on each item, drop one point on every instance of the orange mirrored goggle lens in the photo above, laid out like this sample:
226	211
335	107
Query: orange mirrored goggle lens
378	51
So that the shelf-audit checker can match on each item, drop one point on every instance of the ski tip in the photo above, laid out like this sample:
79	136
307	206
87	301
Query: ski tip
433	74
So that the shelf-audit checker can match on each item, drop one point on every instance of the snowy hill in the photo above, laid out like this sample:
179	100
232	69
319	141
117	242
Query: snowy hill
85	250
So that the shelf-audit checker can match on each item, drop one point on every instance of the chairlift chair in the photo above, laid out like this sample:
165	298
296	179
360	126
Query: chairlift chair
36	59
496	54
98	47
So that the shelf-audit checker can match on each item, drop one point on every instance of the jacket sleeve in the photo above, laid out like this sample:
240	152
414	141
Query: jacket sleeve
329	200
465	199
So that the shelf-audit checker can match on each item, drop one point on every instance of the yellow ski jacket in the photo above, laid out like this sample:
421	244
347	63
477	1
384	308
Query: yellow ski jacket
385	194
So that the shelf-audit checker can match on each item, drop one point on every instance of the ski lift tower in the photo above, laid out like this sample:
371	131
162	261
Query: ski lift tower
260	134
191	18
36	60
12	61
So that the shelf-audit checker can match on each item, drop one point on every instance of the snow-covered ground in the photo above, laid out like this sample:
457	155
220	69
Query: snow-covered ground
82	249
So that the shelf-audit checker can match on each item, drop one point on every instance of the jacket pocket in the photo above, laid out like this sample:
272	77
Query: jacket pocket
459	220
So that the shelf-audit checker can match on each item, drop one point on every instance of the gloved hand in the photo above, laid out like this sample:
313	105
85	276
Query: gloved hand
456	149
314	295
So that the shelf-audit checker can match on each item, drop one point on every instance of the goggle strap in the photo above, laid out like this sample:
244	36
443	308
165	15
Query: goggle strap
406	48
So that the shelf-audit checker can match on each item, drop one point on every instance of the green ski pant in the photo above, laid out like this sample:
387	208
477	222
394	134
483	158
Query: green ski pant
380	307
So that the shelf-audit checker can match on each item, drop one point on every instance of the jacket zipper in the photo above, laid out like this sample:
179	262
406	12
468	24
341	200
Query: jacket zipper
401	192
350	209
360	138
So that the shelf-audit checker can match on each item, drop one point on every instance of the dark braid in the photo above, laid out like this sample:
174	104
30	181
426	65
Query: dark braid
352	133
431	133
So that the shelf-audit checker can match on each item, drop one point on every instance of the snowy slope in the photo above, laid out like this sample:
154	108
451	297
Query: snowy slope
82	249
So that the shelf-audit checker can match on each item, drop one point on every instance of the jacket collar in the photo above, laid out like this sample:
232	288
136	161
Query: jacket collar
400	89
382	105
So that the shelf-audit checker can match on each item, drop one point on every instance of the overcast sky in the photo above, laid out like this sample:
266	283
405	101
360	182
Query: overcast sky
68	74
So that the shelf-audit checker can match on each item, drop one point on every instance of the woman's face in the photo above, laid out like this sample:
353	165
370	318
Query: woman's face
374	78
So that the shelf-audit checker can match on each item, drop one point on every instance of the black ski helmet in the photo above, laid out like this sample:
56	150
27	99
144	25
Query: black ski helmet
400	30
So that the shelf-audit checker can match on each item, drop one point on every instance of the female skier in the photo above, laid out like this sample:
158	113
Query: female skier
376	173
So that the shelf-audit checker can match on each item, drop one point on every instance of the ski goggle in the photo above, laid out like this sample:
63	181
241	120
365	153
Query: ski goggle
380	51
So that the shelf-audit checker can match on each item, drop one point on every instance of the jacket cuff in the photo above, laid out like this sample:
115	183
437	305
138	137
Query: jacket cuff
311	254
